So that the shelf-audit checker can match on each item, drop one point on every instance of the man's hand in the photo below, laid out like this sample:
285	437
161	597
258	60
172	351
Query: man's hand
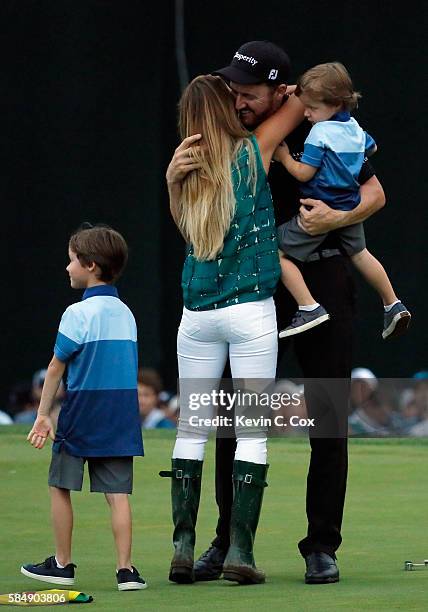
320	218
182	161
42	428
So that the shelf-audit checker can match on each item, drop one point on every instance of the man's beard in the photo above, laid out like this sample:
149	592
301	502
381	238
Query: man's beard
252	120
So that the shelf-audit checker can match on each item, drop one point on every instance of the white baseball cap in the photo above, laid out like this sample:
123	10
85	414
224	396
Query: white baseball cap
366	375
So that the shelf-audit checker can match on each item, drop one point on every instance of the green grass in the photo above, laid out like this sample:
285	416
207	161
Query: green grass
385	524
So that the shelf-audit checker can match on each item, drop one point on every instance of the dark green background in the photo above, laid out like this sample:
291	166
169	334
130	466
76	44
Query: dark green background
89	93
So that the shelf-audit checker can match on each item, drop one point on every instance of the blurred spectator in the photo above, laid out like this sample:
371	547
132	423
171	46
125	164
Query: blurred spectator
28	414
5	419
292	405
419	405
19	398
152	413
371	412
173	409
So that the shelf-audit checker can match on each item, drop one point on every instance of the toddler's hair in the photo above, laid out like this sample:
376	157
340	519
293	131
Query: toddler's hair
330	84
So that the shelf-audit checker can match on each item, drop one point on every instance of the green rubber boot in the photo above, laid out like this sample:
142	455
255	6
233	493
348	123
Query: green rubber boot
249	482
185	493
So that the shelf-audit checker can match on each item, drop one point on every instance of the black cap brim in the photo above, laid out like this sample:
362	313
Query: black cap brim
231	73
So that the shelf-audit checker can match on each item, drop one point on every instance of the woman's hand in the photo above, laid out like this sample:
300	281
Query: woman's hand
182	161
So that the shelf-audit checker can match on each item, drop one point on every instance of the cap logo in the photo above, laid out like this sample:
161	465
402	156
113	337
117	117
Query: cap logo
273	74
245	58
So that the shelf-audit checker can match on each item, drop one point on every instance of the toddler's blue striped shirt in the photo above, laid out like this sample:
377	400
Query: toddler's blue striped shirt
337	147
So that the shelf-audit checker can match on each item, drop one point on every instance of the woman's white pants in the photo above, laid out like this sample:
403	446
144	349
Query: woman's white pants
247	334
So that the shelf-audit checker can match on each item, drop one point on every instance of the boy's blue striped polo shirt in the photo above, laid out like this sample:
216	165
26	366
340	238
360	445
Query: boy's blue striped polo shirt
337	147
97	339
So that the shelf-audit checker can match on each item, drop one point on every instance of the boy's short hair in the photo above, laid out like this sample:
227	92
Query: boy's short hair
330	84
102	245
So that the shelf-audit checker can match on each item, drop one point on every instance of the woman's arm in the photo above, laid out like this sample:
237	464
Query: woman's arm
274	129
181	164
174	192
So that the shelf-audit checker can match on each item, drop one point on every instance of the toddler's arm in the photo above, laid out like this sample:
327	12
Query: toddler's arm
43	427
371	146
302	172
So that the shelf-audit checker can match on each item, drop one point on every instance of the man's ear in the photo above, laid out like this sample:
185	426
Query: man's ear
281	90
91	267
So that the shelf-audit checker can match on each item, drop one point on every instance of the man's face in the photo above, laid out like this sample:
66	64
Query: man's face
255	103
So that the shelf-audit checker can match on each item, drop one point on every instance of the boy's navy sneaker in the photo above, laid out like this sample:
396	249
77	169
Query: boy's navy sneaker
396	321
48	571
128	580
304	320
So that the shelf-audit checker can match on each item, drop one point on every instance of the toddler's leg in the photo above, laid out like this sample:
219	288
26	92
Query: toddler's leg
310	313
62	522
375	274
396	316
121	522
293	280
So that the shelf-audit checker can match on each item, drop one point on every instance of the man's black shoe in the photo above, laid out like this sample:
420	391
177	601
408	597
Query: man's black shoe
321	568
209	566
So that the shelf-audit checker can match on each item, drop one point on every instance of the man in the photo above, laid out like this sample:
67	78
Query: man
258	75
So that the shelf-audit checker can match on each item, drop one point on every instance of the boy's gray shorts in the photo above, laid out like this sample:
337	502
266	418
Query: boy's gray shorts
297	244
106	474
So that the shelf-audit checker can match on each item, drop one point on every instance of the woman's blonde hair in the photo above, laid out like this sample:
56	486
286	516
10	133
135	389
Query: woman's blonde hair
207	203
329	83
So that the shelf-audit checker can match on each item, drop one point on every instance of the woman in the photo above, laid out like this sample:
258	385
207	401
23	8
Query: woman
220	201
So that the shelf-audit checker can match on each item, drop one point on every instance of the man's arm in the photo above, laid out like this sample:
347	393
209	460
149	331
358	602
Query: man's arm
43	427
321	218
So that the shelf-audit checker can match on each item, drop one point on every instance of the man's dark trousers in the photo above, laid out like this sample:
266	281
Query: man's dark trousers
324	352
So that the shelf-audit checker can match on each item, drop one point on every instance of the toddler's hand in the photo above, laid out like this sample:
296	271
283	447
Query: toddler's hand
281	152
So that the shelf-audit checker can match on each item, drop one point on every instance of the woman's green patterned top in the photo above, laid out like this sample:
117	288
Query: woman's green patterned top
248	268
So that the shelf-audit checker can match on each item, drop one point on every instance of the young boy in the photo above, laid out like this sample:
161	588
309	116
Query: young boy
332	158
99	421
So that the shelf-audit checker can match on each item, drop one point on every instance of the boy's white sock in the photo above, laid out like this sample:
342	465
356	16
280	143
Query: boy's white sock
309	308
58	564
389	306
